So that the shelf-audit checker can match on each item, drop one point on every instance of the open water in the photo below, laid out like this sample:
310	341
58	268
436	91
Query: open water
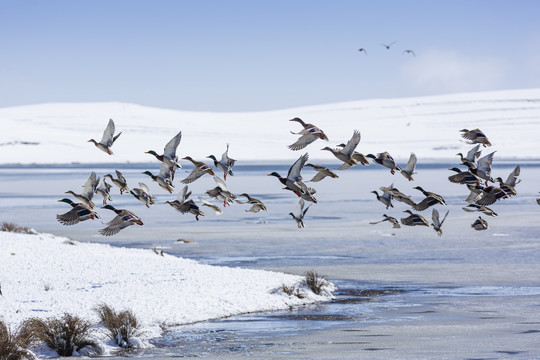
403	293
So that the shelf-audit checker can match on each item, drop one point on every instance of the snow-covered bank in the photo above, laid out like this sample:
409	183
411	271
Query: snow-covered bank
44	276
428	126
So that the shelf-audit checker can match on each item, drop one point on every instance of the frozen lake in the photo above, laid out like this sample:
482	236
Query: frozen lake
403	292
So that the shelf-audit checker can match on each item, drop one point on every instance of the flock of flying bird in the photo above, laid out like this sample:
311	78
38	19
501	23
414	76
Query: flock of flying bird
475	177
387	47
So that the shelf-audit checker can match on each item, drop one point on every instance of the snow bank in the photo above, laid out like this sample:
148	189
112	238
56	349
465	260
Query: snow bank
45	276
428	126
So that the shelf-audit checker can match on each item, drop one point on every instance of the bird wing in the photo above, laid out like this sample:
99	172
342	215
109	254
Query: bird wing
318	176
352	144
303	141
221	183
411	164
194	175
120	176
90	186
484	164
294	171
170	149
473	154
114	229
435	218
444	218
164	171
470	134
300	208
512	178
425	203
210	205
144	188
225	159
108	134
183	195
73	216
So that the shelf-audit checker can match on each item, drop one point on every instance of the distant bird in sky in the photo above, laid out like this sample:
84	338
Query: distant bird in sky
409	52
387	46
363	50
108	138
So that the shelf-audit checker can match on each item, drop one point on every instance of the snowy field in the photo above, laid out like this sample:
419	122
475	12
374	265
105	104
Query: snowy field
45	276
428	126
448	282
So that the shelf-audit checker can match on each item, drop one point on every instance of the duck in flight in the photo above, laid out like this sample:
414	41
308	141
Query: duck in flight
387	46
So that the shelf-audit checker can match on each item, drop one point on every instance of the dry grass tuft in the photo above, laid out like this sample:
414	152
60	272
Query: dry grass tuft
122	326
315	282
14	345
14	228
293	290
63	335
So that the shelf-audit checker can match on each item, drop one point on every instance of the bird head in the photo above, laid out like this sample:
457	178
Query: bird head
151	152
274	174
212	157
371	156
66	200
109	207
148	173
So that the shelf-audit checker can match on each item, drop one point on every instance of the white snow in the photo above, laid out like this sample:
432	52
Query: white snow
428	126
45	276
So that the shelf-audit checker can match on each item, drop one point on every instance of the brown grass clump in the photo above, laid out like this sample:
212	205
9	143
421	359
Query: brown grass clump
292	290
63	335
14	345
315	282
14	228
121	326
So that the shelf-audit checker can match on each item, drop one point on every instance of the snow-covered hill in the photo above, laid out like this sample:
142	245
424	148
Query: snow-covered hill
428	126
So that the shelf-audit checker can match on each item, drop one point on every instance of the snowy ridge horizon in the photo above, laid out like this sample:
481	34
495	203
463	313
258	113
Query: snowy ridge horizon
57	133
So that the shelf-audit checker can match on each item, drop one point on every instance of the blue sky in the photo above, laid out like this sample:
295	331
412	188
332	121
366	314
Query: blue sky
245	55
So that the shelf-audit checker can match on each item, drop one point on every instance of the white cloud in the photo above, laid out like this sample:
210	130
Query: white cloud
444	71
